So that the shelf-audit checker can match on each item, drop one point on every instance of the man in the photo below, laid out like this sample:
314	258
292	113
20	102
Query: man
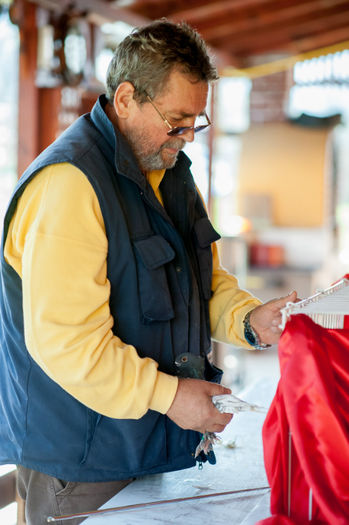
109	272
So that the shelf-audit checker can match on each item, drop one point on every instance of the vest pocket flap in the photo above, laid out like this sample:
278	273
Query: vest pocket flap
205	232
154	251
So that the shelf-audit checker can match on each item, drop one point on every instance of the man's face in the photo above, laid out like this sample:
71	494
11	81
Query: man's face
180	102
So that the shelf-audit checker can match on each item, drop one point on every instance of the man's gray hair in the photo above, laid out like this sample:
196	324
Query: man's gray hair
149	54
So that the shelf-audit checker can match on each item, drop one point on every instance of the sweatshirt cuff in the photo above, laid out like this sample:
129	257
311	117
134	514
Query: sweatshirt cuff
164	392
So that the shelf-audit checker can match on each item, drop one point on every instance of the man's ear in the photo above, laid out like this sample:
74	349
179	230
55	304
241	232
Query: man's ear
123	99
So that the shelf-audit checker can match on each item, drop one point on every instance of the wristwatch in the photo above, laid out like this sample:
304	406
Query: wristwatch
251	335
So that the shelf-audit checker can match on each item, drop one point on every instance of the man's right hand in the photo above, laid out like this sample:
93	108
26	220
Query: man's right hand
192	407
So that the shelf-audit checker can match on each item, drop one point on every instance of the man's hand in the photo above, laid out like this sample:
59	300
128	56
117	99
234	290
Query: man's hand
192	407
266	318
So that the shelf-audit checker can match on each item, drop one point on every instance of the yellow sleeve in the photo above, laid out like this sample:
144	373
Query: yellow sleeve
57	244
229	304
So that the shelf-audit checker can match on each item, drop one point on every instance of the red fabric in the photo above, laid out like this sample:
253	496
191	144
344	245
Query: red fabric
312	401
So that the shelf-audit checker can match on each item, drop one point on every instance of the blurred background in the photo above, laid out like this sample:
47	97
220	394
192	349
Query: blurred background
274	168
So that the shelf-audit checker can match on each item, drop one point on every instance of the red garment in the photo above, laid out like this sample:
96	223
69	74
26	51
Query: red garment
312	402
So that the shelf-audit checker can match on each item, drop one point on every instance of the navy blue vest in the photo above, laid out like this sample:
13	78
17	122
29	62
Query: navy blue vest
160	269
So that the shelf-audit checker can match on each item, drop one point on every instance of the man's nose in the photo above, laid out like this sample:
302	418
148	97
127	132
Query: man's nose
188	135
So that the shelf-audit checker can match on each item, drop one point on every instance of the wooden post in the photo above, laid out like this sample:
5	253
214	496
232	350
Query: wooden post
48	119
23	14
210	153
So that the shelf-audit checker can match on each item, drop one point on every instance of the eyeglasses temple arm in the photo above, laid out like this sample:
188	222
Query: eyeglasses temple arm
159	113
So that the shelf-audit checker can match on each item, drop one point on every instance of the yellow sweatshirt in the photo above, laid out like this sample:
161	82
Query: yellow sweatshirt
58	246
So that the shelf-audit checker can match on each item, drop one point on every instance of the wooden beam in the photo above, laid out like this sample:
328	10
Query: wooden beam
285	63
101	11
107	11
226	25
285	36
197	13
328	38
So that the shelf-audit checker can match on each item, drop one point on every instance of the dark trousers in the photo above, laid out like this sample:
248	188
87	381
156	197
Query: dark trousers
48	496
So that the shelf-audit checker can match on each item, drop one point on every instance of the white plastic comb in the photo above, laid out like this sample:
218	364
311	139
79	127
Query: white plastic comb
326	308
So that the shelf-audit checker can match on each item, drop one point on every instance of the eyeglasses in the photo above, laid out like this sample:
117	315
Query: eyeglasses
179	130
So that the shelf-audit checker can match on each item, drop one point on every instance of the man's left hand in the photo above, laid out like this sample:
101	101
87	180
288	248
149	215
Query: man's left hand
266	318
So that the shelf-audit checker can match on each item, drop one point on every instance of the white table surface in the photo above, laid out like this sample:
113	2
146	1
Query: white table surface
238	469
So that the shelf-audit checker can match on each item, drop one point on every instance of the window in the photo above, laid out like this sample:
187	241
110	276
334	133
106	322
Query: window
321	89
9	45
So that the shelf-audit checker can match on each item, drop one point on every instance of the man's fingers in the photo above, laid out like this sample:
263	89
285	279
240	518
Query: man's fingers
192	407
276	330
277	304
218	390
218	426
214	428
225	390
275	325
290	298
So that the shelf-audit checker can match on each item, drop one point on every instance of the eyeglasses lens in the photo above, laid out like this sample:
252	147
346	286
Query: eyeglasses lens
180	130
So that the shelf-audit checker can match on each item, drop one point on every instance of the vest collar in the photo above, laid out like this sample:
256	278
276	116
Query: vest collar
125	161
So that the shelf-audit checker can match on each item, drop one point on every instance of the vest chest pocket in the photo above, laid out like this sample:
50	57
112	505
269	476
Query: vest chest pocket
205	235
155	300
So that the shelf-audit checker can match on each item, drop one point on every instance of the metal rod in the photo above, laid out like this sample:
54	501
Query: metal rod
310	510
66	517
289	478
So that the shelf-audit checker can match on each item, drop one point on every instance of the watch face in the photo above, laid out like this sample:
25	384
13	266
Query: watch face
249	336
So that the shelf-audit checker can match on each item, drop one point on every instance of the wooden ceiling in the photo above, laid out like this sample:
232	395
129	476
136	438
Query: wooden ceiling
241	33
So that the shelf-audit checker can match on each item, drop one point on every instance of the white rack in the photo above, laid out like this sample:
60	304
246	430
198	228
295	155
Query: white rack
326	308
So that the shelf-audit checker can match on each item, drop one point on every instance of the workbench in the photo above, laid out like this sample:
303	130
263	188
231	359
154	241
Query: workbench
239	470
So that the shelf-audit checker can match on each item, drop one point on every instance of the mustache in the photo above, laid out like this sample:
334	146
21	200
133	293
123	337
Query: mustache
175	143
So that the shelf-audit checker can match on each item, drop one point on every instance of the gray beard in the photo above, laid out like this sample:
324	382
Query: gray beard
153	160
